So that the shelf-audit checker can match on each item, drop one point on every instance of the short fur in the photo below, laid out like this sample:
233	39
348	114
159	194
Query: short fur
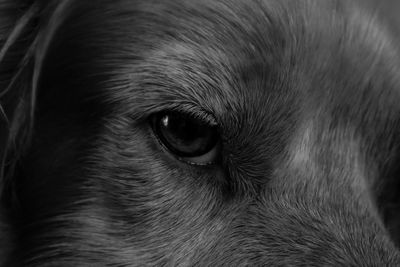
306	95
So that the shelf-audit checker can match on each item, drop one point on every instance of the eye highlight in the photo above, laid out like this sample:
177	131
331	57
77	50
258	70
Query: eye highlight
188	138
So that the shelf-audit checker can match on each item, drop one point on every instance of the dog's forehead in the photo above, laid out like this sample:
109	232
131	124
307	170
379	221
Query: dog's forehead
237	58
254	66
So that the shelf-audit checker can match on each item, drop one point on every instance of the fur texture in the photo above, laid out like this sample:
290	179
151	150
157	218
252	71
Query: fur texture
306	95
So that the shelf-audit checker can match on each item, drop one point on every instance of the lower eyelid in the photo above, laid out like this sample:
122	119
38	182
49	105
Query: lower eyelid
200	161
181	163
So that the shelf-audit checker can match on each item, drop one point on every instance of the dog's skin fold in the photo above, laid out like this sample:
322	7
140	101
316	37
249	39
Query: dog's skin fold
306	95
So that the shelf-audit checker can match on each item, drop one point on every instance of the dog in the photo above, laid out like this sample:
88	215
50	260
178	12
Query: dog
198	133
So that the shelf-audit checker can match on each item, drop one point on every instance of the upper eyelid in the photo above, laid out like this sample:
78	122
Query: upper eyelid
187	108
199	114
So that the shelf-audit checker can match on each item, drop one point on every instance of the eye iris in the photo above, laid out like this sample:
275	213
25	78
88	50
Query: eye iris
184	135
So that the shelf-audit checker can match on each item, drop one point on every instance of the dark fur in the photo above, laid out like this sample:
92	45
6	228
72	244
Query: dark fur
306	94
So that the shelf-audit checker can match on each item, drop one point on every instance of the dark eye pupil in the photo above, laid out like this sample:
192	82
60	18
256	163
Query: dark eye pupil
185	135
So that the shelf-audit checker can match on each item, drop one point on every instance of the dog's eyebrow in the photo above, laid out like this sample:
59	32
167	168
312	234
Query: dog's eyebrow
183	78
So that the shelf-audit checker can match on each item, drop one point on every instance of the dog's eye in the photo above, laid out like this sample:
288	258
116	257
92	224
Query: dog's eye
189	138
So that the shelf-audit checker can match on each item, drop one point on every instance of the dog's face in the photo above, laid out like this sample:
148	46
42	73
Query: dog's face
179	133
